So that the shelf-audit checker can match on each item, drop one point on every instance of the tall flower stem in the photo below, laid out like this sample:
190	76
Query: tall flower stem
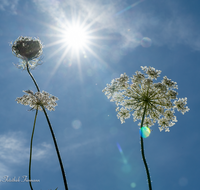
52	133
57	150
142	151
32	76
31	144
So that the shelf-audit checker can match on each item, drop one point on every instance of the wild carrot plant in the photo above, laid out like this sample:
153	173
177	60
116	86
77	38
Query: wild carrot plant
150	102
29	51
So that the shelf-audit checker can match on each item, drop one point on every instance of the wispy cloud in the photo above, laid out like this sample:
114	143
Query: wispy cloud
4	170
10	5
169	28
173	27
15	149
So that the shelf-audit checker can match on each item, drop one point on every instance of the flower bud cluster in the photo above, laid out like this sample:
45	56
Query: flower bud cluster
28	50
157	98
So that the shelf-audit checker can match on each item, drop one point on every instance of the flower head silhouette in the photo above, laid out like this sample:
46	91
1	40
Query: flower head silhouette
29	50
142	94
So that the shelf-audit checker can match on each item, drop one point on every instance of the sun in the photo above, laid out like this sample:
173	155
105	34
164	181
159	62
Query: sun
76	37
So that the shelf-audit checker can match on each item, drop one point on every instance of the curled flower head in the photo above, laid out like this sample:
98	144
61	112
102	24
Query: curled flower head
143	94
37	100
28	49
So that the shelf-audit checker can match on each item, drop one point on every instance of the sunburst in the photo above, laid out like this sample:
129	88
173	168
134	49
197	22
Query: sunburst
75	38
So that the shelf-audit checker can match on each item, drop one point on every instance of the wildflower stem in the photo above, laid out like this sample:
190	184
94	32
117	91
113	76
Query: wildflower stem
57	150
142	151
32	76
31	149
52	133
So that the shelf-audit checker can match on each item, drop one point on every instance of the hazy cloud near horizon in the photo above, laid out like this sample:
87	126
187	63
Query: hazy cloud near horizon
13	143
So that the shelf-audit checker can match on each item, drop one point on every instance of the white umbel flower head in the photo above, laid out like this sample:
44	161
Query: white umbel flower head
142	94
35	101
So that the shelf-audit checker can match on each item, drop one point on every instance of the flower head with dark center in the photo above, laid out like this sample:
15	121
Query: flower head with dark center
28	49
143	94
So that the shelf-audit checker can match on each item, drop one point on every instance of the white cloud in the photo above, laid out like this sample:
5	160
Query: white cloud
174	27
9	4
4	170
15	149
169	28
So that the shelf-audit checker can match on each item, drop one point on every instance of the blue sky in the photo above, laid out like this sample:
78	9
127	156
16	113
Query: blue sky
85	123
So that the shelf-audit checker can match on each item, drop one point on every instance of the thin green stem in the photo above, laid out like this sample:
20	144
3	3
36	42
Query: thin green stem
52	133
57	150
31	149
143	156
32	76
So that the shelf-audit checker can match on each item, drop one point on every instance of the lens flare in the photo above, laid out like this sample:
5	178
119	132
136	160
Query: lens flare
119	148
76	124
129	7
145	132
124	160
133	185
146	42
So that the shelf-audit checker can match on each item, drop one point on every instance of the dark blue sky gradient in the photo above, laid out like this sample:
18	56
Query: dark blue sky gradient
87	130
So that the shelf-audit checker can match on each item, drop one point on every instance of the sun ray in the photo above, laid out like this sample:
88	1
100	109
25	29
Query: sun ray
60	60
55	52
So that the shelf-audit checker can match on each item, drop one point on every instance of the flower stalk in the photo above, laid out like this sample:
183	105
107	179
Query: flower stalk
57	150
143	156
31	76
31	145
52	133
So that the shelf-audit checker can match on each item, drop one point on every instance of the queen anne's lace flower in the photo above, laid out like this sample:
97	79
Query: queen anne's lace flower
156	97
180	105
28	50
151	72
35	101
123	114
